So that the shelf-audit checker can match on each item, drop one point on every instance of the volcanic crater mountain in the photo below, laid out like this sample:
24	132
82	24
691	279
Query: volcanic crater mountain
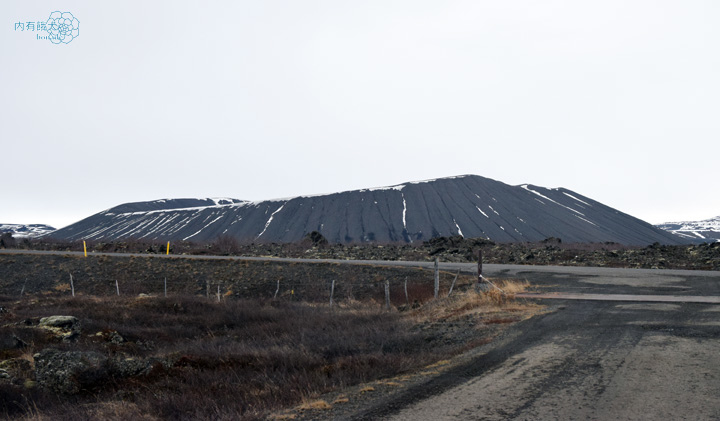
471	206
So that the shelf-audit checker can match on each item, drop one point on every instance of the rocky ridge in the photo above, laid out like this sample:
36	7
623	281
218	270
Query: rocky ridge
707	230
26	231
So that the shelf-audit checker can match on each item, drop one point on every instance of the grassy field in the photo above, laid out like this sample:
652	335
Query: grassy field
242	356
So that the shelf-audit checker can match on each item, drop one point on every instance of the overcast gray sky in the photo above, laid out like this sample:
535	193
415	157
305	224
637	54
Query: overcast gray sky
616	100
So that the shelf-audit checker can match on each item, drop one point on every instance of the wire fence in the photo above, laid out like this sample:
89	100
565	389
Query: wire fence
333	291
388	287
333	283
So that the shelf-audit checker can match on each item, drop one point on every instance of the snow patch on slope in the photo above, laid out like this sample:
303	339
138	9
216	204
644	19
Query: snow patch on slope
26	231
404	211
201	229
267	224
459	231
575	198
525	186
192	209
399	187
708	229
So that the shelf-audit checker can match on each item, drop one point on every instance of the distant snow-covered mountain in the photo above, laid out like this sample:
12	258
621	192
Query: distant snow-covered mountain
26	231
471	206
706	231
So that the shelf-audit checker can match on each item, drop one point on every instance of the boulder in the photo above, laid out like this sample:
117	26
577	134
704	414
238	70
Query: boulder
15	370
64	322
66	327
316	239
69	372
132	367
111	336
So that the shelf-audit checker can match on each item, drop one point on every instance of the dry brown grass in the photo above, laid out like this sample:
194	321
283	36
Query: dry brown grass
282	417
438	364
254	356
394	384
62	287
513	287
341	399
242	359
314	405
118	411
484	303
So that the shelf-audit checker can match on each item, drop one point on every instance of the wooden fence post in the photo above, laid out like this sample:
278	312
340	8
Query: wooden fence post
332	291
407	299
277	289
453	282
117	287
72	286
166	287
437	277
218	293
387	295
480	277
482	283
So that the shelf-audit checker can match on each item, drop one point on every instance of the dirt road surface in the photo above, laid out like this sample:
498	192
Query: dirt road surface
627	360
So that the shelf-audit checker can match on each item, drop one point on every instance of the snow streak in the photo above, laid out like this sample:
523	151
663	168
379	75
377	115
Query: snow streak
267	224
458	228
404	211
525	186
575	198
211	222
589	222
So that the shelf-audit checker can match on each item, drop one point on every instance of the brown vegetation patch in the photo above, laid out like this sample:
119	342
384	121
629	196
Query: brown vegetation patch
244	356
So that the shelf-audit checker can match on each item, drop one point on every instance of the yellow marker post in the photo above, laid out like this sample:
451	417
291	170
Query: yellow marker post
85	248
168	249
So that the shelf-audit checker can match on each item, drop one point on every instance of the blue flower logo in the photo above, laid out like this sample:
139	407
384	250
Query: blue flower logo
62	27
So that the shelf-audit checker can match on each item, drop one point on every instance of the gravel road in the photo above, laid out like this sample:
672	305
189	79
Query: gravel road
587	359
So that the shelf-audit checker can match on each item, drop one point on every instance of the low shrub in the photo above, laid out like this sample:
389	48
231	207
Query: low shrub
234	359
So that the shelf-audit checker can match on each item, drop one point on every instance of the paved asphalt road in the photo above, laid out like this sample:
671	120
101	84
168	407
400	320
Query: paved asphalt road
594	360
585	359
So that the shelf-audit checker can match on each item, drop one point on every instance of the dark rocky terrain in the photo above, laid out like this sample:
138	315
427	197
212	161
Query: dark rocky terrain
550	251
97	276
470	206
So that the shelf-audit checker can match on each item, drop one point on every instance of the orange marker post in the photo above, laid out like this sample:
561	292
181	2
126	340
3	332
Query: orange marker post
168	249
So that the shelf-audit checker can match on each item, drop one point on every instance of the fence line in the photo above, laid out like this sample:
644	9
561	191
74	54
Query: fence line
386	291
